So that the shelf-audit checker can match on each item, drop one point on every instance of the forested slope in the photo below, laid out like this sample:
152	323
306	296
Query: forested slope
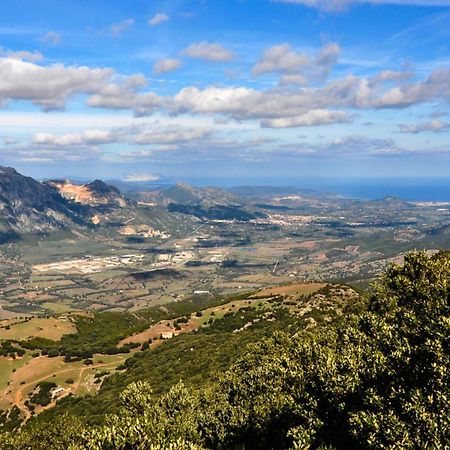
376	379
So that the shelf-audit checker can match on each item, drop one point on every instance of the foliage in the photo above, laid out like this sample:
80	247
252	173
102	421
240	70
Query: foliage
379	380
194	358
43	394
8	349
10	420
64	433
99	333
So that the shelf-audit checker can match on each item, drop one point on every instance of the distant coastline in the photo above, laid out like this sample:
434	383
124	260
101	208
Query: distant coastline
436	189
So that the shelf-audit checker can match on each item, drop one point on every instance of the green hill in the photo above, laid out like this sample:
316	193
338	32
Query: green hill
375	377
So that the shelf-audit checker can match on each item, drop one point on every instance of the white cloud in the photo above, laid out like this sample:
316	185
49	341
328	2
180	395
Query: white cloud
312	118
48	86
434	126
51	38
88	137
116	97
350	91
340	5
208	148
166	65
173	135
23	55
144	134
208	52
118	28
298	67
158	18
391	75
51	86
280	58
49	155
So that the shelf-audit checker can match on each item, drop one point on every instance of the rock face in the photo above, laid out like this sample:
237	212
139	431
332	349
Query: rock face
93	194
28	206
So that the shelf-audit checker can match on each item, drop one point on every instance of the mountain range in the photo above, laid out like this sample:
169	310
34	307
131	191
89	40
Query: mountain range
31	206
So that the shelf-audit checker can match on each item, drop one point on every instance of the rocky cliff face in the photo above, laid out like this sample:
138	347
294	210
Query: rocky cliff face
93	194
28	206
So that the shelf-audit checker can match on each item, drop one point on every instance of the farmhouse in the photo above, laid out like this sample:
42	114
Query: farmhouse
167	335
56	391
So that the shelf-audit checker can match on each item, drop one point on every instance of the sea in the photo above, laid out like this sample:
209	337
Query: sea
432	189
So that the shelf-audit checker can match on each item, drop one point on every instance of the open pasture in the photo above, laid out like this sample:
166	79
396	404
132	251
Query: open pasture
75	377
50	328
292	290
167	329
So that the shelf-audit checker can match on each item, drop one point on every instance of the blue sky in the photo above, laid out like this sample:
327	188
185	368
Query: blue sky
225	88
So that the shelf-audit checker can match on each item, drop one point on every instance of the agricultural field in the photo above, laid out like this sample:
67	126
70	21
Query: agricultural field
47	327
294	239
167	329
36	380
75	378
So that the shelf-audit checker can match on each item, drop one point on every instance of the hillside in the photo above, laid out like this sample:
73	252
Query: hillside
28	206
184	194
373	376
94	194
208	203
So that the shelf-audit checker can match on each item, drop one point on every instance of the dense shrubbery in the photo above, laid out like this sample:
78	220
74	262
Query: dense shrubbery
97	334
10	420
379	380
7	348
43	395
102	332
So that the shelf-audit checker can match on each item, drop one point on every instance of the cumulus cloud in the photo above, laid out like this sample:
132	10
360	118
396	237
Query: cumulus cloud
340	5
434	126
51	38
208	148
158	18
23	55
170	135
312	118
145	134
166	65
48	155
298	67
391	75
280	58
51	86
118	97
437	84
350	91
208	52
48	87
88	137
363	145
346	146
118	28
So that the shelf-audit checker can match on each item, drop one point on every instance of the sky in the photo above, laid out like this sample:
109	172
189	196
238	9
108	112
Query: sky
142	89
